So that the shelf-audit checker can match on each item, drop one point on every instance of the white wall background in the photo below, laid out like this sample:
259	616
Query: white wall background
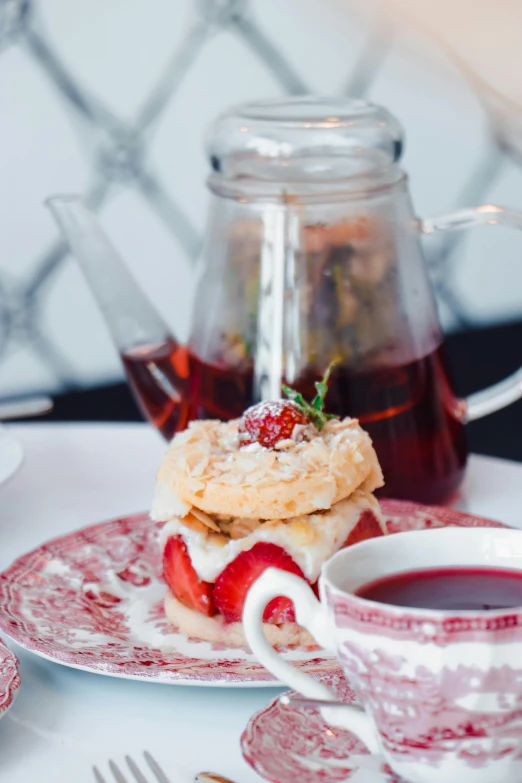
76	80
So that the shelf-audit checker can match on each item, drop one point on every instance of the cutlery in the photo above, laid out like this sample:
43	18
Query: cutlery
159	775
19	409
137	775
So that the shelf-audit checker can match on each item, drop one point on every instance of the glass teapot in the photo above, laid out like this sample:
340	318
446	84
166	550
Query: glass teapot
312	256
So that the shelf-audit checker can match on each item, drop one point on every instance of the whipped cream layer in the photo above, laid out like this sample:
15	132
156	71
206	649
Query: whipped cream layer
309	539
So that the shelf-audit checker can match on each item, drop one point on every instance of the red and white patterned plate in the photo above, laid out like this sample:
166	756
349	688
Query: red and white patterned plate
285	744
9	678
93	600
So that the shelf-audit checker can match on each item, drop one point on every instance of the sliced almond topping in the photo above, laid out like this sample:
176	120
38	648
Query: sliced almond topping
225	525
287	443
205	519
246	464
199	468
211	453
194	524
241	528
256	477
194	486
273	522
232	478
219	539
317	454
303	533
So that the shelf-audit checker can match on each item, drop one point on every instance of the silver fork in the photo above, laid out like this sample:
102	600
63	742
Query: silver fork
119	777
137	775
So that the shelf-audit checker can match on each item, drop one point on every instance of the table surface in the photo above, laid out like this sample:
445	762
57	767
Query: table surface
64	720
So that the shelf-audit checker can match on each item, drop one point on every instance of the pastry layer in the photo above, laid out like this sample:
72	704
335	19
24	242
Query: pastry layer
206	467
213	629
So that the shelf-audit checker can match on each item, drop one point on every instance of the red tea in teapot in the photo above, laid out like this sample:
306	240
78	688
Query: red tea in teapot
157	375
414	420
173	386
410	411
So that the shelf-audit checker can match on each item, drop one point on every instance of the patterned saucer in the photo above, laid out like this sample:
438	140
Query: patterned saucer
9	678
93	600
285	744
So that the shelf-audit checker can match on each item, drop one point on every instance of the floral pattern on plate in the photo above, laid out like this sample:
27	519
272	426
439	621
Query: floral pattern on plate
93	600
9	678
289	743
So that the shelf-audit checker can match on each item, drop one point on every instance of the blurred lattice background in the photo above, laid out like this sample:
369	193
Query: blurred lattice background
110	98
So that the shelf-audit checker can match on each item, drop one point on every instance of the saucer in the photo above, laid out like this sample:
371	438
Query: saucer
11	455
289	743
9	678
93	600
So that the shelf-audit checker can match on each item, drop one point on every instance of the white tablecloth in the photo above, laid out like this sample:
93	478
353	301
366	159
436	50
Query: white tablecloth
64	720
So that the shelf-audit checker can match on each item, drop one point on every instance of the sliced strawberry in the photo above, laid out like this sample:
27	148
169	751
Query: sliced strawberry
278	611
367	526
233	584
183	580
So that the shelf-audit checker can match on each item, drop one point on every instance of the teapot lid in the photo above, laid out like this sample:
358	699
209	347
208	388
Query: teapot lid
304	139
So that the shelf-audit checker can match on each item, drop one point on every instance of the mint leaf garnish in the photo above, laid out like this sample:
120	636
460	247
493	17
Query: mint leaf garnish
314	410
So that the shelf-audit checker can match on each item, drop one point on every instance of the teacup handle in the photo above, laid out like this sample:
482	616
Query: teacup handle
509	390
311	615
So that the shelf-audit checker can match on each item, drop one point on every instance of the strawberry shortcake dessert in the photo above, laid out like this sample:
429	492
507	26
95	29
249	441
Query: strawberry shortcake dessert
285	486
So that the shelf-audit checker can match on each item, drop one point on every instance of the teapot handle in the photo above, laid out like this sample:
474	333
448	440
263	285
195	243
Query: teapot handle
503	393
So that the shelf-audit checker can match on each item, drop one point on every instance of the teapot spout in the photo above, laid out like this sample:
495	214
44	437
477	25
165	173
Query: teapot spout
130	316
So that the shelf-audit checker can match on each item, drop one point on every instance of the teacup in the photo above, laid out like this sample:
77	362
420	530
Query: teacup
441	691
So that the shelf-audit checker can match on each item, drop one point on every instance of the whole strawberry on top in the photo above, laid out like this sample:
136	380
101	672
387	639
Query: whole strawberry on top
269	423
